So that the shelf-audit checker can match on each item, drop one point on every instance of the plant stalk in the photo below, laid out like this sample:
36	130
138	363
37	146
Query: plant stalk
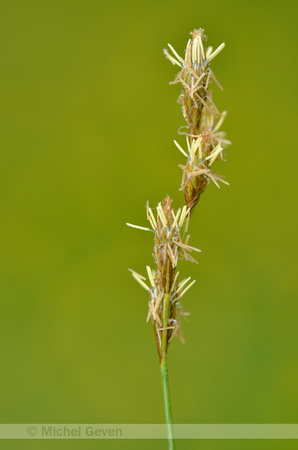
167	402
164	364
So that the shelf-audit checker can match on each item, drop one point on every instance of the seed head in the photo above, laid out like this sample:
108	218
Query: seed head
205	142
169	247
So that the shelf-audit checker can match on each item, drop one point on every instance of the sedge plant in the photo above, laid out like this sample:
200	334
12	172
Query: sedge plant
205	144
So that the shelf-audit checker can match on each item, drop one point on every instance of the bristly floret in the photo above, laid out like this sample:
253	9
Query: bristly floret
195	77
205	142
169	248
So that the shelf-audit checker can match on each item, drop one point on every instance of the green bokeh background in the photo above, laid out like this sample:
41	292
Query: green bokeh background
87	127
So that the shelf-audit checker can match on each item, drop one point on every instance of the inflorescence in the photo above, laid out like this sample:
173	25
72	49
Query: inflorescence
205	144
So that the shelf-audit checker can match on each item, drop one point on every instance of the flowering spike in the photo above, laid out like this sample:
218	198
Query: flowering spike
205	143
202	117
169	248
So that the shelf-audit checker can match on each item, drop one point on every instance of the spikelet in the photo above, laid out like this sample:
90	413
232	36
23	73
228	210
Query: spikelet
204	140
163	283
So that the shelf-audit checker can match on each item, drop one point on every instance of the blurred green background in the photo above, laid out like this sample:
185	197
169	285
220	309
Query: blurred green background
87	127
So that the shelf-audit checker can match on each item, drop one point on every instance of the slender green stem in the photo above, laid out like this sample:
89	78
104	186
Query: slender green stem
164	364
167	401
